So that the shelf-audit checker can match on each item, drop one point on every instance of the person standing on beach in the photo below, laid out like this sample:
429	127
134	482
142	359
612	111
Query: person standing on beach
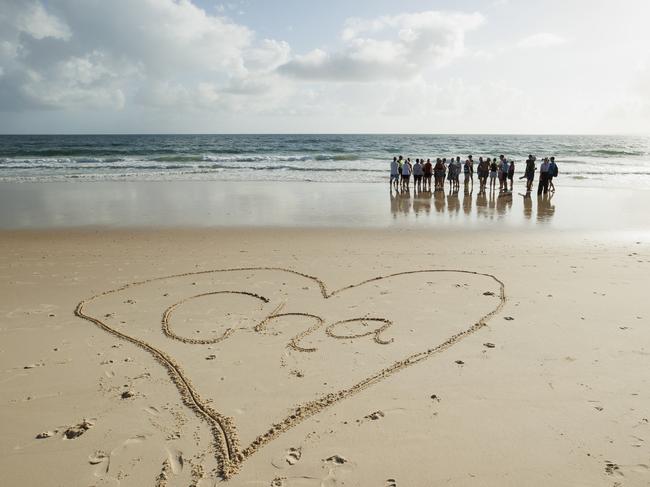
543	177
458	168
503	173
394	174
418	172
468	169
445	173
530	172
493	173
428	171
451	173
552	172
483	170
406	174
438	173
511	174
400	162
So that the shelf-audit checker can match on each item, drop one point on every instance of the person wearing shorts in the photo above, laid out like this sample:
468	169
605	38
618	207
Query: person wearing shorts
406	175
428	171
493	173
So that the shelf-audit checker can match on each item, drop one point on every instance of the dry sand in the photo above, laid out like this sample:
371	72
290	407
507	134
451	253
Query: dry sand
324	357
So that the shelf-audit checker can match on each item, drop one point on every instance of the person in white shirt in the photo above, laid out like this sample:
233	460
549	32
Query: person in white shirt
406	174
543	177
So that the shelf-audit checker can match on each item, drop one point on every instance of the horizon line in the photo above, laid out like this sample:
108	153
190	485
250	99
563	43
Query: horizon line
594	134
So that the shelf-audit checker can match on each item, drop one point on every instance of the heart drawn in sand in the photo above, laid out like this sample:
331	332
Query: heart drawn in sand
270	319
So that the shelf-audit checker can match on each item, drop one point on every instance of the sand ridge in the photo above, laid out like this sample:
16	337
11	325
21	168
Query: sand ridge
230	456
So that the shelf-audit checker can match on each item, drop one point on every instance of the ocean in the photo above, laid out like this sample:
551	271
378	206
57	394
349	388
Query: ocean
583	160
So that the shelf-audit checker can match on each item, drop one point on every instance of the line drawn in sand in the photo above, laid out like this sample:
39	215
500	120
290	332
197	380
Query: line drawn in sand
230	454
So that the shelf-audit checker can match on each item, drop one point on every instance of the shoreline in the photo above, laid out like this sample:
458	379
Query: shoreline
194	204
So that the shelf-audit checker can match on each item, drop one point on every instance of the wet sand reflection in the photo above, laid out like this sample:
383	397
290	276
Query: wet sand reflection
486	205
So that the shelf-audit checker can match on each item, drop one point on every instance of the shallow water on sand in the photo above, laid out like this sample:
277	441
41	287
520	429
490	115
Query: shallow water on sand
353	205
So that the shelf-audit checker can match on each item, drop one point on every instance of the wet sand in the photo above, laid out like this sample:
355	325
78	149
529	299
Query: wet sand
320	356
214	204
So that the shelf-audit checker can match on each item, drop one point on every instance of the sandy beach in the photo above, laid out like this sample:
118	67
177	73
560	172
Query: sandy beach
324	244
305	355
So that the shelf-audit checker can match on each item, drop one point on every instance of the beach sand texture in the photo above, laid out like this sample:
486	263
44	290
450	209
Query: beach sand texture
317	357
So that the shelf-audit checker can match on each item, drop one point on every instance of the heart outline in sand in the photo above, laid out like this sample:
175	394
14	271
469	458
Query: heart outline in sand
229	454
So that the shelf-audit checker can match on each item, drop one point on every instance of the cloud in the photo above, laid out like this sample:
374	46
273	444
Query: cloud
541	40
38	23
388	47
72	55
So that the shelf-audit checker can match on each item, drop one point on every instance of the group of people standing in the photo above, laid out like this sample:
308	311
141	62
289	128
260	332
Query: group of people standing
547	171
502	169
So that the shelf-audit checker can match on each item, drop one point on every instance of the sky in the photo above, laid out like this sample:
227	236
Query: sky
303	66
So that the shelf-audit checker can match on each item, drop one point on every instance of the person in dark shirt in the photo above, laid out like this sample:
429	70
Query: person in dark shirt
428	171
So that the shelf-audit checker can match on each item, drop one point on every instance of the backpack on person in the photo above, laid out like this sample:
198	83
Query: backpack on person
554	170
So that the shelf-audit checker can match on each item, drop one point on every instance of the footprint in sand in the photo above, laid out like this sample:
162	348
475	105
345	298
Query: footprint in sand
78	429
337	460
391	483
293	455
175	460
102	461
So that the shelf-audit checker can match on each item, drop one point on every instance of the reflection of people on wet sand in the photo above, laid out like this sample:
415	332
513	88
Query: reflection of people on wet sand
481	204
504	203
404	202
467	201
545	208
394	202
453	203
422	201
491	202
439	201
528	205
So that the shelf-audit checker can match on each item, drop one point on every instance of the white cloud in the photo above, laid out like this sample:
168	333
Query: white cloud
389	47
541	40
37	22
165	53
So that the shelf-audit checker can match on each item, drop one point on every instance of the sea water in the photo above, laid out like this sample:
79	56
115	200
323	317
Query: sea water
617	161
